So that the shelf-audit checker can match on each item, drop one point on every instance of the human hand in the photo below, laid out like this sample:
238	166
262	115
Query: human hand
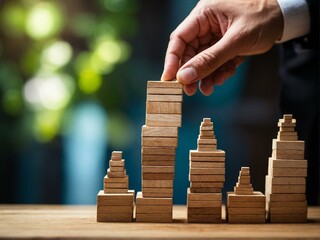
211	42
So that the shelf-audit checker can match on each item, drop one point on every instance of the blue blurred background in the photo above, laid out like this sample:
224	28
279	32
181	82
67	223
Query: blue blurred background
73	88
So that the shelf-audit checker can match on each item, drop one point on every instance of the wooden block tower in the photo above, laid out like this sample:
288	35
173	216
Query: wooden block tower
245	205
115	203
206	176
159	142
286	179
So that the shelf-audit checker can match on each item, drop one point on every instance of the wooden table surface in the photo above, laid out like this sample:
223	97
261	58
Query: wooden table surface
69	222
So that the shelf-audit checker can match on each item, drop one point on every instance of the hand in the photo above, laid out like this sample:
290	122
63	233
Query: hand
211	42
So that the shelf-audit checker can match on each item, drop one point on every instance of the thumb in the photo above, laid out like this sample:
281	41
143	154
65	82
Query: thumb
209	60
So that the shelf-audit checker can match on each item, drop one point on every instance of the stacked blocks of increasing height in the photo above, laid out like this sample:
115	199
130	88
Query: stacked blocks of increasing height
245	205
159	143
115	203
206	176
286	179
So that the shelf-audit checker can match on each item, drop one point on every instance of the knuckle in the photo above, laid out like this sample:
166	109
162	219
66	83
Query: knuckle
207	61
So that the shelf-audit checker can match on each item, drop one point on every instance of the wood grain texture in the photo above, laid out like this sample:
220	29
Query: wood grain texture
79	222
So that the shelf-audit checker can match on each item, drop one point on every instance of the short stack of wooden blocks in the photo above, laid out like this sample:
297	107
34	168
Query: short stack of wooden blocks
245	205
206	176
286	179
159	142
115	203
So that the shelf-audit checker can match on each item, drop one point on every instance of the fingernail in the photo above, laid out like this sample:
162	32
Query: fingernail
187	75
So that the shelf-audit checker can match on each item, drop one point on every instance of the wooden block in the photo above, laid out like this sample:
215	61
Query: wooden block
200	204
164	107
282	137
286	180
286	124
194	164
207	141
155	217
163	84
242	204
151	209
220	159
157	163
115	209
116	155
287	145
288	218
288	189
216	153
204	210
116	169
204	196
282	197
157	176
116	190
116	174
206	171
157	195
255	197
206	178
207	133
205	190
115	185
200	218
158	157
162	169
287	210
206	127
157	183
246	211
244	180
116	217
287	118
159	131
115	198
238	191
207	184
159	142
254	218
164	98
277	163
106	179
206	120
300	204
113	163
163	120
140	200
246	186
287	129
158	150
288	172
156	190
207	148
164	91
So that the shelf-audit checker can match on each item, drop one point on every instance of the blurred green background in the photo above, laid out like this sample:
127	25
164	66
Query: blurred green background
73	87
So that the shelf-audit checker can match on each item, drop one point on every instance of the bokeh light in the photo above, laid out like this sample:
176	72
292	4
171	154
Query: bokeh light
56	54
46	125
13	19
44	20
89	81
12	101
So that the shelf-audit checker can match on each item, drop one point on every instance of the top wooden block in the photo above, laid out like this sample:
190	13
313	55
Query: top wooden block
164	91
163	84
116	155
287	117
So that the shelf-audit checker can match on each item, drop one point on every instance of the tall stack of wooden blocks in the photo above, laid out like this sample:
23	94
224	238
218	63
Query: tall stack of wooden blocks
286	179
159	143
206	176
115	203
245	205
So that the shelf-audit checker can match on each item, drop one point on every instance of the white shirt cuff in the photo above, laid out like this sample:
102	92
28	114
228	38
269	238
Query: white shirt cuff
296	18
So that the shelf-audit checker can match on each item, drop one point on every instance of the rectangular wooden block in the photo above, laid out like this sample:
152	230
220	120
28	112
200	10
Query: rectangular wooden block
207	141
163	84
115	185
194	164
204	196
207	158
158	157
216	153
255	197
163	120
206	178
113	163
277	163
254	218
206	184
283	197
242	204
155	217
116	174
116	155
116	169
156	190
158	150
159	142
288	172
287	210
157	176
157	195
115	199
151	209
287	129
106	179
116	217
115	209
140	200
205	190
161	169
288	218
164	91
157	183
288	145
205	171
159	131
282	137
288	154
157	163
216	205
288	189
246	211
200	218
115	190
207	148
164	98
204	210
286	180
300	204
164	107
